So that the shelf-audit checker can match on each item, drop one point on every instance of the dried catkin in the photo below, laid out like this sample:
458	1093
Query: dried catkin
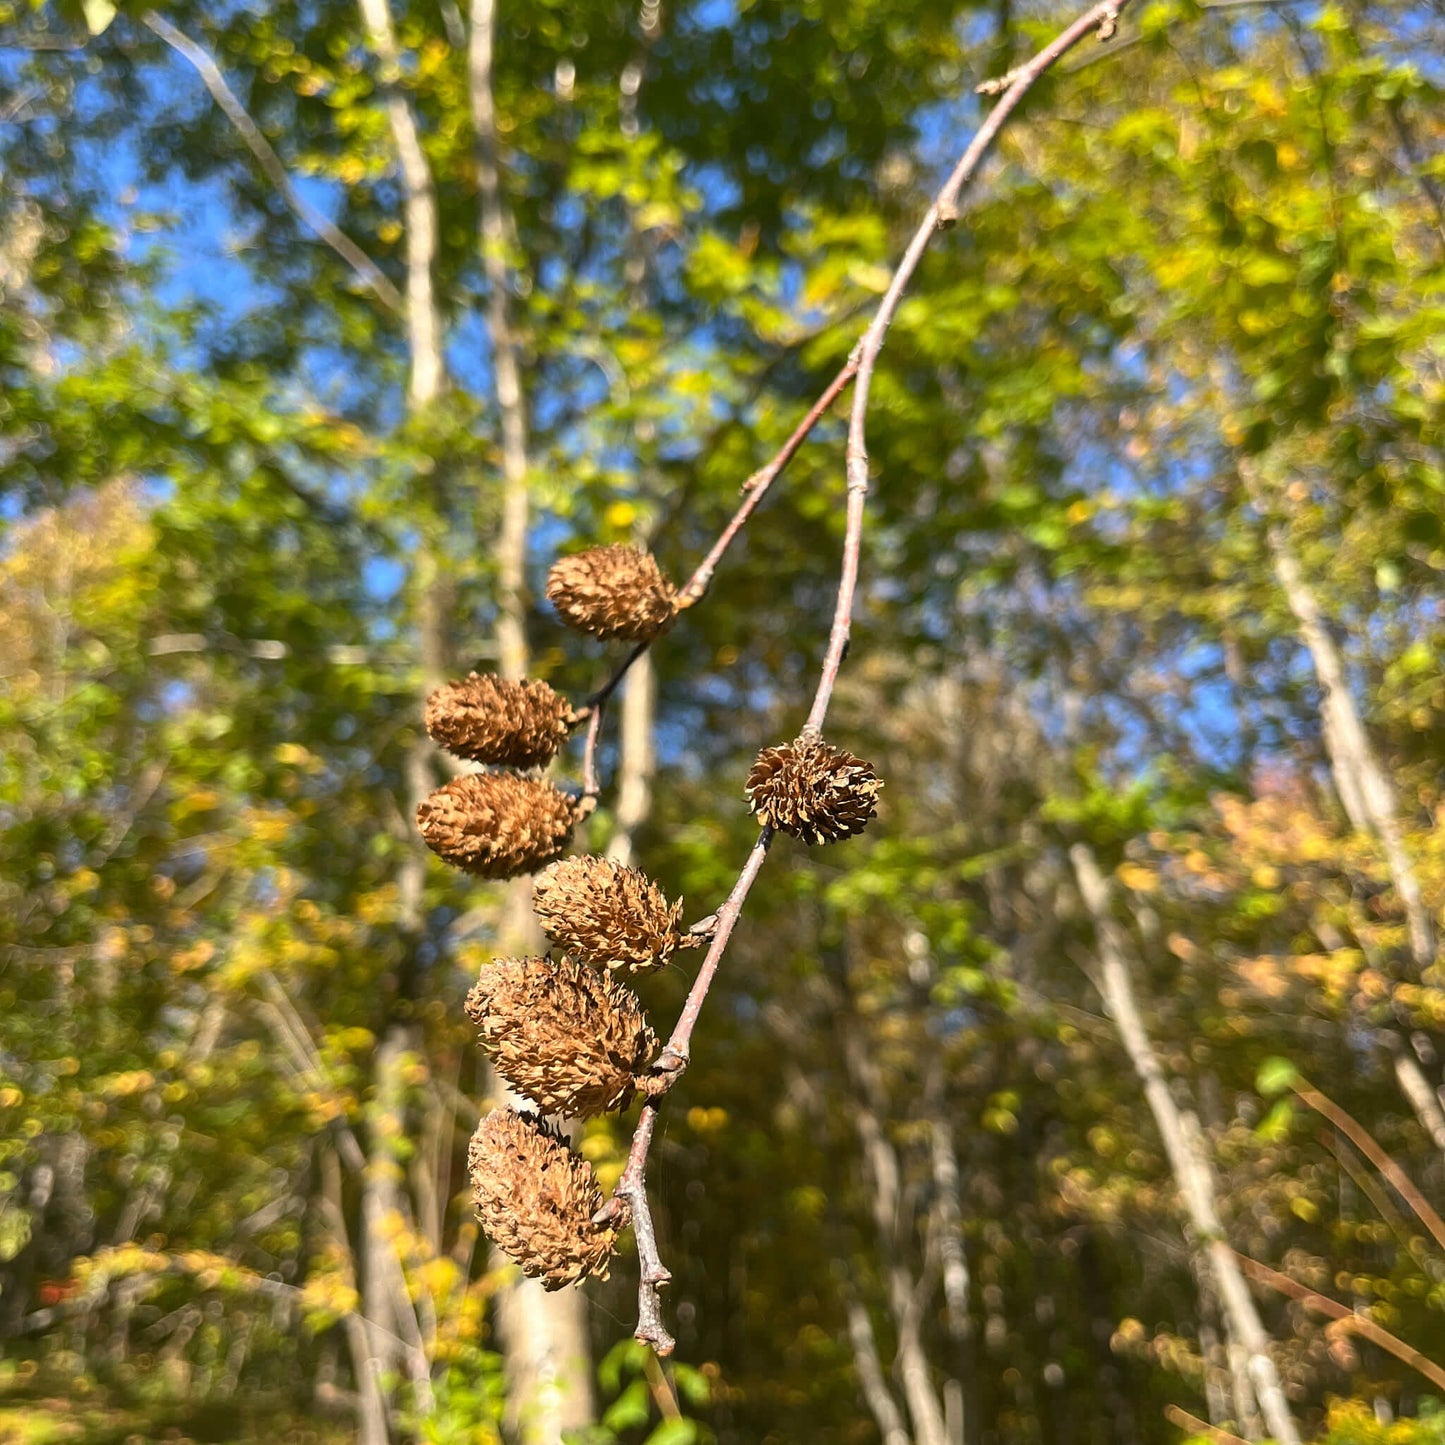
615	591
491	719
535	1199
572	1040
496	825
606	913
813	790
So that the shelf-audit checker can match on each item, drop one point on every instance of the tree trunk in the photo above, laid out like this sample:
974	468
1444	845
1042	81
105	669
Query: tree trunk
882	1177
1187	1151
636	757
544	1335
1361	781
511	549
957	1317
875	1389
384	1297
1363	787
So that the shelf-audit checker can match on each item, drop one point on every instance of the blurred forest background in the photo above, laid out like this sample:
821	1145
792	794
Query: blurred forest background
324	327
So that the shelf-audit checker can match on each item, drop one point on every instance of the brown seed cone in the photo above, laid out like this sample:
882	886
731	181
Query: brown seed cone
616	591
572	1040
492	720
813	790
606	913
496	825
535	1199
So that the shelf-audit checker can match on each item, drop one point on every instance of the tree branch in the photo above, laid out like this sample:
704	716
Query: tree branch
367	271
942	214
1366	1143
630	1193
1347	1318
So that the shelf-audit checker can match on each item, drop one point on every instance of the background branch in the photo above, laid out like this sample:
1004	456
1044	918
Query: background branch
366	270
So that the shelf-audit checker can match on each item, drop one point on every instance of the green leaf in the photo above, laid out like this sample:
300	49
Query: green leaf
631	1409
1275	1075
675	1432
1275	1126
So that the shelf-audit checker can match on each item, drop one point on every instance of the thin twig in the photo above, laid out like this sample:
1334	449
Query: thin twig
630	1195
1177	1415
591	788
1366	1143
365	268
754	489
940	215
1348	1319
757	485
631	1191
629	1200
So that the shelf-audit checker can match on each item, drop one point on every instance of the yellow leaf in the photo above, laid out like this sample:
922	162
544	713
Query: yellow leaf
1137	877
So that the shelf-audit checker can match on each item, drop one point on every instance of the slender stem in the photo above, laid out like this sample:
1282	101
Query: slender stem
754	489
367	271
1366	1143
675	1054
631	1192
591	788
756	486
1102	18
940	215
1349	1319
861	362
615	681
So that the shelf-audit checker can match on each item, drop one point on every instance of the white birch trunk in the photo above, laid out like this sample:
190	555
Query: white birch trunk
882	1175
384	1299
1361	782
544	1335
1187	1151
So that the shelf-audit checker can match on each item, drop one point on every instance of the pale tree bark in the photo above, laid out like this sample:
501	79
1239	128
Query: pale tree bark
883	1179
371	1419
383	1198
957	1317
881	1403
544	1335
511	547
1227	1394
1187	1151
423	319
636	758
1361	782
1360	778
945	1221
